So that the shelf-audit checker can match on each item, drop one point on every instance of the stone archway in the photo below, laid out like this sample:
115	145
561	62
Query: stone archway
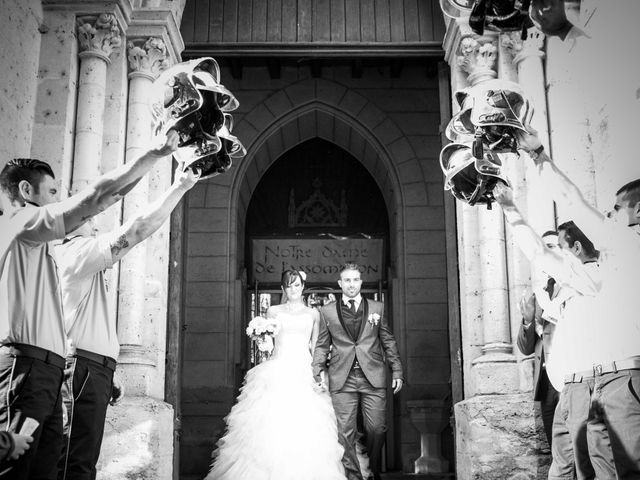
410	183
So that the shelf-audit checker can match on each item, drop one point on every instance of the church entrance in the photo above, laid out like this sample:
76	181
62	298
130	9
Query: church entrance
337	166
315	209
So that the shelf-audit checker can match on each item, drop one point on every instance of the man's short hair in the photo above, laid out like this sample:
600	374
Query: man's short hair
349	266
549	232
573	234
19	169
631	192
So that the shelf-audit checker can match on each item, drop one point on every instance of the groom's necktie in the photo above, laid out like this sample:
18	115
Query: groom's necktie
352	304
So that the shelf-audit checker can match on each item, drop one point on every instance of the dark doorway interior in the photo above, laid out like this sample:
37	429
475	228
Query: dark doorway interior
317	164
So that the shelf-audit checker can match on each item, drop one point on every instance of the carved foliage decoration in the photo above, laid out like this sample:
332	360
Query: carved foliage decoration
477	54
99	34
533	44
149	57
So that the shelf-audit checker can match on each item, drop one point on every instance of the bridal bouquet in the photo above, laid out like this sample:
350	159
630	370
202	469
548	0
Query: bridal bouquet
262	331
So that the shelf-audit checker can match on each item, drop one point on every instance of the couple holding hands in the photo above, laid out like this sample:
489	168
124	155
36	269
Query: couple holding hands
284	425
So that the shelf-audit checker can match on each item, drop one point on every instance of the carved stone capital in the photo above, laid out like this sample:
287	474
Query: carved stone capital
477	56
147	57
98	35
531	46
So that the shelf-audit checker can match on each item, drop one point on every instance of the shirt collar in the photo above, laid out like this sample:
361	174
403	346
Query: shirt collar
357	298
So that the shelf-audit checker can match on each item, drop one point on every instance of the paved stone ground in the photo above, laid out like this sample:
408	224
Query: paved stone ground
385	476
415	476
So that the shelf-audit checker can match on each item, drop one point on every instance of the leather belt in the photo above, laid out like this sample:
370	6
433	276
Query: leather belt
31	351
601	369
356	365
103	360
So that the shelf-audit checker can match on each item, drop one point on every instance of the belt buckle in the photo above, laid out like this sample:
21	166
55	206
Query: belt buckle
597	370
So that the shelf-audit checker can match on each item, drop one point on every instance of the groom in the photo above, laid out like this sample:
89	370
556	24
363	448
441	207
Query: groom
360	340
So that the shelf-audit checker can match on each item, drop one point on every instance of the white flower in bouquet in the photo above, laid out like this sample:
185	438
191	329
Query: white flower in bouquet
265	344
262	330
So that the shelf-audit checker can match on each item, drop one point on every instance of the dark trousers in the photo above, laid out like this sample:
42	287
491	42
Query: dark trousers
548	397
356	393
31	388
86	393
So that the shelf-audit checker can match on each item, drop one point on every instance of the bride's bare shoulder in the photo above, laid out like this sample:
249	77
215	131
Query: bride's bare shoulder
274	310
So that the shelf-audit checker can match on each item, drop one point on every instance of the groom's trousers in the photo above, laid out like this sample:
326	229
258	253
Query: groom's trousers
356	393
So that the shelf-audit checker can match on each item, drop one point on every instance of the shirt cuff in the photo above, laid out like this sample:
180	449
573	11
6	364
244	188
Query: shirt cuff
104	247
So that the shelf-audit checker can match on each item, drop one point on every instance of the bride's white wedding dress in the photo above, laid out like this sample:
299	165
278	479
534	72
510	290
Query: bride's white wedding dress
281	428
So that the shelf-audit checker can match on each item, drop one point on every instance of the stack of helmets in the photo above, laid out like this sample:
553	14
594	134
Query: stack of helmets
190	99
500	16
483	132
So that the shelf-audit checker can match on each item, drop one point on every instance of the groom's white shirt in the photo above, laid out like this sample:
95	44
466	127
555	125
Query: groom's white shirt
357	298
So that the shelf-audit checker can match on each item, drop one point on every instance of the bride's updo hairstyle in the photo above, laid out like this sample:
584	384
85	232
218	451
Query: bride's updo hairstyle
290	275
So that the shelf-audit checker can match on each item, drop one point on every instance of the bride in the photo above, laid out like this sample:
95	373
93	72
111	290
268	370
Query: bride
281	427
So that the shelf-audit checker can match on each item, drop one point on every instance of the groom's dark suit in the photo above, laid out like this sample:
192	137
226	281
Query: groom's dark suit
357	373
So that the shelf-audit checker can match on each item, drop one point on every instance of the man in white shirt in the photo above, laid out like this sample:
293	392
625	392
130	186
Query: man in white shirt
91	324
32	332
574	268
613	376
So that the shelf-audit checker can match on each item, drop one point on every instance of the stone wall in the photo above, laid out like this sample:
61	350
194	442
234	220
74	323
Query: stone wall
66	99
391	126
585	97
19	58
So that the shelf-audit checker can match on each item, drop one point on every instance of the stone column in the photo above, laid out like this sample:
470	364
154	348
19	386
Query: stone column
147	58
527	56
144	418
477	57
98	35
487	437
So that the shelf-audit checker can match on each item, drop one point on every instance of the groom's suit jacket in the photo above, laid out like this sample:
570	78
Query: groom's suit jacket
372	346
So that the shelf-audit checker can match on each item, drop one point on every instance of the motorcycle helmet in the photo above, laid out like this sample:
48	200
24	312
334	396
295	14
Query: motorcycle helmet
188	98
500	103
500	16
469	179
215	162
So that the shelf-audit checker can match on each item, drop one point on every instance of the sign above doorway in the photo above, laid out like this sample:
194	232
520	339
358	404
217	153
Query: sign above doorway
319	258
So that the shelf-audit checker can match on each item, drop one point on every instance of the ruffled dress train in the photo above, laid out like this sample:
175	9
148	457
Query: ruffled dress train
281	428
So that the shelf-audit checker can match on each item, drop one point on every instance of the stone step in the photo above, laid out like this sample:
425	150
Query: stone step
417	476
384	476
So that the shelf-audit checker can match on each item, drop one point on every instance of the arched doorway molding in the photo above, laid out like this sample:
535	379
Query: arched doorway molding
321	108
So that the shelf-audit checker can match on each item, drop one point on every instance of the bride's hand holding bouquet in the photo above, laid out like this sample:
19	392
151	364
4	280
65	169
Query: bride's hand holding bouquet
262	330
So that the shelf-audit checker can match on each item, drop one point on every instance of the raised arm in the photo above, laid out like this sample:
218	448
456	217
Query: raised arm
563	190
112	186
525	237
143	225
552	262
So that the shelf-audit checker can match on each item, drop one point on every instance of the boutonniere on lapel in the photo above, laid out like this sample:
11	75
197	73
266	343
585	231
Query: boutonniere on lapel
374	319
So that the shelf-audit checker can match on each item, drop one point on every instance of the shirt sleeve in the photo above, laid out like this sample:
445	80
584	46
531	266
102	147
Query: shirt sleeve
84	256
37	225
